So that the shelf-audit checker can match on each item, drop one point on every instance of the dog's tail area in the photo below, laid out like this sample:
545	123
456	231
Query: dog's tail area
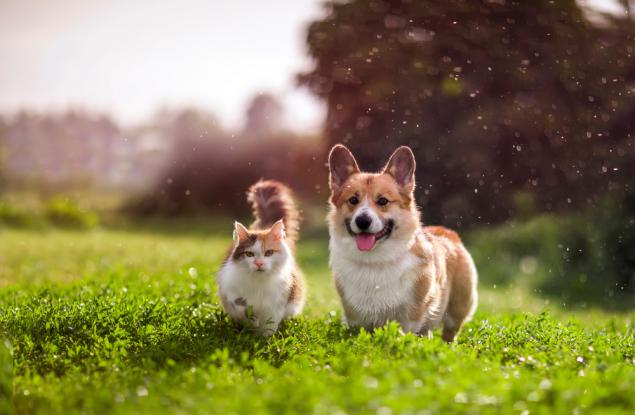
271	201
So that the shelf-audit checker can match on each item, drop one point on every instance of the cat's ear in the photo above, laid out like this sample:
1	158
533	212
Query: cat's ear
277	230
240	232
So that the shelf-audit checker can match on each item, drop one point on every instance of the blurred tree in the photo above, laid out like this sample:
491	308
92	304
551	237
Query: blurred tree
210	169
196	148
494	96
80	150
627	5
264	116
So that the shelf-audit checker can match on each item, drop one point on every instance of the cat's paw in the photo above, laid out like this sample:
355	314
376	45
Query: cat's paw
240	302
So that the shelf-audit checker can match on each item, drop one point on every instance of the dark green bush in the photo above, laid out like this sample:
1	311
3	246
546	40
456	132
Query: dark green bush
12	215
66	213
600	247
580	258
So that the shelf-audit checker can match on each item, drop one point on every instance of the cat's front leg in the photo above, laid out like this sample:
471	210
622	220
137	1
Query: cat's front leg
267	330
269	326
293	309
238	309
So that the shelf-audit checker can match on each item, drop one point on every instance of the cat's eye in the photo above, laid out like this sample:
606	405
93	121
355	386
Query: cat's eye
382	201
269	252
353	200
249	254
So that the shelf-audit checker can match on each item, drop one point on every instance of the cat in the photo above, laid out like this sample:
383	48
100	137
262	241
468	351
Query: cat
260	284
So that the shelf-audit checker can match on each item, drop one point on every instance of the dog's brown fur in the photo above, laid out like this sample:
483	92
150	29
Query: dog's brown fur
442	277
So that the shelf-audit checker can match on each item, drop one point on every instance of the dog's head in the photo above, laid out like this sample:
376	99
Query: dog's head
376	211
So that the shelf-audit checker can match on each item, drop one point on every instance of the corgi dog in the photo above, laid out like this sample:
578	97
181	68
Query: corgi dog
386	265
260	284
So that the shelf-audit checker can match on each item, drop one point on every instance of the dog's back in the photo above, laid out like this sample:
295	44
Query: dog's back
461	275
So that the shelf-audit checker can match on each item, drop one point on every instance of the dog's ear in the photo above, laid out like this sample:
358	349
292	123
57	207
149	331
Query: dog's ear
401	167
342	165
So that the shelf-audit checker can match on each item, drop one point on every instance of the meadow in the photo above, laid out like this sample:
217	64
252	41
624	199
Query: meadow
125	320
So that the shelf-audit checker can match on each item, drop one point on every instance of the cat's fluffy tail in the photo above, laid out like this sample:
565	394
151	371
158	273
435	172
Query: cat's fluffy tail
271	201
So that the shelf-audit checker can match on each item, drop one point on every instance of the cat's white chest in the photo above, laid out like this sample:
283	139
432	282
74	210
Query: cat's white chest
264	295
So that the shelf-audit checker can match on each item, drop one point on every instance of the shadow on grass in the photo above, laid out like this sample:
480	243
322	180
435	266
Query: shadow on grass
67	328
240	345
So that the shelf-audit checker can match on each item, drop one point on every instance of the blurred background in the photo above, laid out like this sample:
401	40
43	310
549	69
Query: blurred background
116	114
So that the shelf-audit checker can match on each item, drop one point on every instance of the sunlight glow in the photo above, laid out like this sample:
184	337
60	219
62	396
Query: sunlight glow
130	58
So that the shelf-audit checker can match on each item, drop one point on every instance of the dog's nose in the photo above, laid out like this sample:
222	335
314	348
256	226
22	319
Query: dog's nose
363	222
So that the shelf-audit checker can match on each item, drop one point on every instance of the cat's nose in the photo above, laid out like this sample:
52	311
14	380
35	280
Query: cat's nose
259	263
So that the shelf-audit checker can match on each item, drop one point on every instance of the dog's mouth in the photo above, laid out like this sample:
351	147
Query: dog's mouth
367	241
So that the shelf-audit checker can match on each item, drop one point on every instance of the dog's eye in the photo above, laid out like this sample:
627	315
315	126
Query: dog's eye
269	252
353	200
249	254
382	201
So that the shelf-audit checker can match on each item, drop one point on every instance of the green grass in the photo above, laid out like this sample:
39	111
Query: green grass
127	321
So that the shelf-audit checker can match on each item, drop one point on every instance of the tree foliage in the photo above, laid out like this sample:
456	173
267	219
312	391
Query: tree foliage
495	97
210	168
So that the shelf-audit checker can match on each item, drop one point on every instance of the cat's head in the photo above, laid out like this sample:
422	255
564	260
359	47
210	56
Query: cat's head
260	251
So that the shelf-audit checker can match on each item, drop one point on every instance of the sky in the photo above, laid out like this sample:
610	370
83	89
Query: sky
129	58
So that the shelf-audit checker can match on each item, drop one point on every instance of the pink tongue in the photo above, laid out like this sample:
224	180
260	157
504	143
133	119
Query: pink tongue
365	241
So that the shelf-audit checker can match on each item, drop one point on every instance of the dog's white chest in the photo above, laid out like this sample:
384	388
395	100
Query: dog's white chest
377	292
